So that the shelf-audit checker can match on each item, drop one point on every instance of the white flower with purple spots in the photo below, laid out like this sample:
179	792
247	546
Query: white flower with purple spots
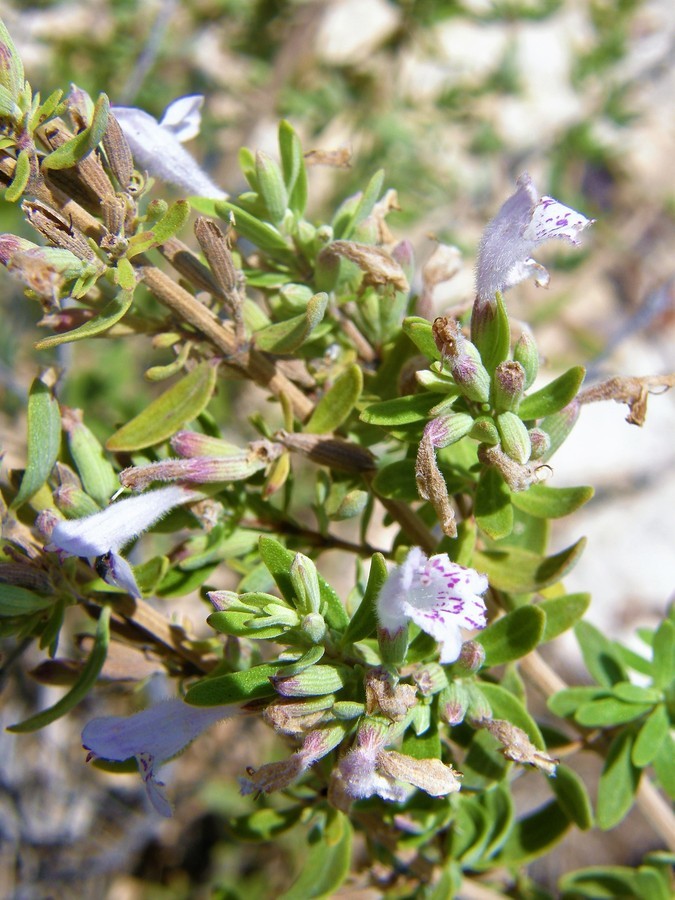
524	221
438	595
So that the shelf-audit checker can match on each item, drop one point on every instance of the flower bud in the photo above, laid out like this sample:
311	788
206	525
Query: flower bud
479	709
74	502
311	682
296	717
471	657
393	645
471	378
514	437
540	441
453	703
451	428
404	254
97	474
314	627
485	431
192	443
509	382
430	679
306	584
347	710
525	352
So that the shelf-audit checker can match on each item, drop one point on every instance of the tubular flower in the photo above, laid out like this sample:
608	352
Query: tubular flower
524	221
438	595
152	736
158	146
101	535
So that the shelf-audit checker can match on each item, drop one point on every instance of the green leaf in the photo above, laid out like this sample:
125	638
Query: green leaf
664	654
600	656
70	153
110	315
344	225
608	712
562	613
397	481
602	883
493	510
21	176
534	835
183	402
651	737
554	396
293	167
399	411
235	687
505	705
271	186
519	572
264	824
337	403
44	440
286	337
326	866
500	809
512	636
572	796
364	621
566	702
18	601
420	332
663	766
618	782
262	234
636	693
551	503
11	66
278	561
169	225
86	681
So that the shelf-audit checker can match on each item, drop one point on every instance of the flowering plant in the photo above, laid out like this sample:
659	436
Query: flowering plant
403	702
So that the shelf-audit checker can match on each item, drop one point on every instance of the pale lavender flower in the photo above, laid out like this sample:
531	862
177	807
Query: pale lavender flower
152	737
158	146
436	594
103	534
524	221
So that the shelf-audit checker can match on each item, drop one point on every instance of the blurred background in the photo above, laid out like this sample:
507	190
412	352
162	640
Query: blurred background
454	100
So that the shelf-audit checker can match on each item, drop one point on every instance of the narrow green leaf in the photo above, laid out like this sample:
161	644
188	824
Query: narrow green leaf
364	621
235	687
420	332
566	702
505	705
336	405
70	153
608	712
664	654
18	601
325	867
554	396
286	337
512	636
272	189
600	656
399	411
618	783
169	412
572	795
293	166
21	176
344	226
278	561
110	315
493	510
650	737
534	835
551	503
500	809
562	613
636	693
262	234
663	766
264	824
168	226
11	65
519	572
82	686
602	883
44	439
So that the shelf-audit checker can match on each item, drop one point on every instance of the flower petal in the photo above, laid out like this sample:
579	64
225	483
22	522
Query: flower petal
183	118
551	219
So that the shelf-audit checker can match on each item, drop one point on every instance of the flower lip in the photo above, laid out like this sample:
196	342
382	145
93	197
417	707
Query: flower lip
438	595
524	221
